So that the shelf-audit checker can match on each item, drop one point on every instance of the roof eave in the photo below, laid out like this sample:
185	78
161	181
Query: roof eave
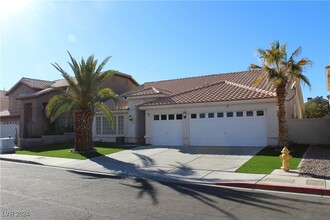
146	96
207	104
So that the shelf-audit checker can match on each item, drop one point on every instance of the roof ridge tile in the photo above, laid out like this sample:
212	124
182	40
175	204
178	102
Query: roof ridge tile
251	88
202	76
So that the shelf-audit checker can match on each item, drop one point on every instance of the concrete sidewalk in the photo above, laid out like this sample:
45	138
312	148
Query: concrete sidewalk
179	164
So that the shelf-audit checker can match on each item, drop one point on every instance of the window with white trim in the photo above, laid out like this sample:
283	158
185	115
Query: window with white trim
103	127
120	125
106	127
98	125
114	126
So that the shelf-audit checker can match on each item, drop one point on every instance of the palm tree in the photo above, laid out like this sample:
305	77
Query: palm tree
280	71
80	98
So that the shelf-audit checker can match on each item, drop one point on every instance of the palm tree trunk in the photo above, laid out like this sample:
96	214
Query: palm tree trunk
280	102
83	121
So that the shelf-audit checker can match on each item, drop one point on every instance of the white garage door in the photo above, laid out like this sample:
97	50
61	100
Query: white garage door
167	129
236	128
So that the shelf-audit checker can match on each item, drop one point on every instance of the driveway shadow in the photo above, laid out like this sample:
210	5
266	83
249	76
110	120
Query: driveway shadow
131	170
241	151
214	150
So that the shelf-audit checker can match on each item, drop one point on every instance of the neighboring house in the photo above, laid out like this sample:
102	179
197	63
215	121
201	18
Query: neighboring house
212	110
16	108
11	118
29	97
7	127
320	101
4	100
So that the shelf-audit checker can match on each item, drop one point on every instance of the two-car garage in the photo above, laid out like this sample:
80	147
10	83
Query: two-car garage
210	128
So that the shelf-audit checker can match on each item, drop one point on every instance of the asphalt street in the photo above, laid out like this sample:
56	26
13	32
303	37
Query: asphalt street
38	192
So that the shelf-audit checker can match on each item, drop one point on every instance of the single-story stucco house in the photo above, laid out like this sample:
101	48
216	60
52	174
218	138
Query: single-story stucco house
210	110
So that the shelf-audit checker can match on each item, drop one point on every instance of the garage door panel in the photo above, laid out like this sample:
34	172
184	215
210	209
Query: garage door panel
167	133
232	131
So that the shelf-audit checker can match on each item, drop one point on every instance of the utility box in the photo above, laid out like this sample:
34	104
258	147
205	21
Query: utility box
7	145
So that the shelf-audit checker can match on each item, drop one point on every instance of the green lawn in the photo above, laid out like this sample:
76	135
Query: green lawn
63	150
266	160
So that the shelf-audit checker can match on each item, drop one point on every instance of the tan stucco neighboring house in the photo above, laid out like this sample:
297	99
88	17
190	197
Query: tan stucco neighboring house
29	97
4	101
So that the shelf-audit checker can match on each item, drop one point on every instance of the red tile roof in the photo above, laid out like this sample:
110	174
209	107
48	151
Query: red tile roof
36	84
147	91
210	88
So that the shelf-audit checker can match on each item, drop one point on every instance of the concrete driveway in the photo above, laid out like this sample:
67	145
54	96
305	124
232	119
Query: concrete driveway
197	158
189	162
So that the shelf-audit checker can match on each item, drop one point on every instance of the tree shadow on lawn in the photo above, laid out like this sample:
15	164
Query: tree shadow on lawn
38	149
146	180
296	151
70	145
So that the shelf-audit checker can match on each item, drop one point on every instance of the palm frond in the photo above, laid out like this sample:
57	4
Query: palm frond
296	53
57	105
254	66
106	94
304	62
106	112
257	82
104	62
304	79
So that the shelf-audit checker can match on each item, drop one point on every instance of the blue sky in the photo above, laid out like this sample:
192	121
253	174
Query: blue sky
161	40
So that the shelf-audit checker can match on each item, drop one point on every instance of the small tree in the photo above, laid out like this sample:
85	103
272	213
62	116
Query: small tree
314	110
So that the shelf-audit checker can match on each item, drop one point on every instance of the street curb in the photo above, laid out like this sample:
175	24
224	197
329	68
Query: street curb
321	191
306	190
21	161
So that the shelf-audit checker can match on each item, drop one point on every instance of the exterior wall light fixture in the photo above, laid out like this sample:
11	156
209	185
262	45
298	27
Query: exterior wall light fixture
130	118
184	114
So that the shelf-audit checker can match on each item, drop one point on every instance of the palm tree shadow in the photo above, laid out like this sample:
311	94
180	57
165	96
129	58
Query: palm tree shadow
147	161
145	180
145	187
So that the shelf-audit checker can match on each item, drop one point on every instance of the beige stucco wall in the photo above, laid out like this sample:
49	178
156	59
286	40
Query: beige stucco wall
309	131
294	105
136	127
4	104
